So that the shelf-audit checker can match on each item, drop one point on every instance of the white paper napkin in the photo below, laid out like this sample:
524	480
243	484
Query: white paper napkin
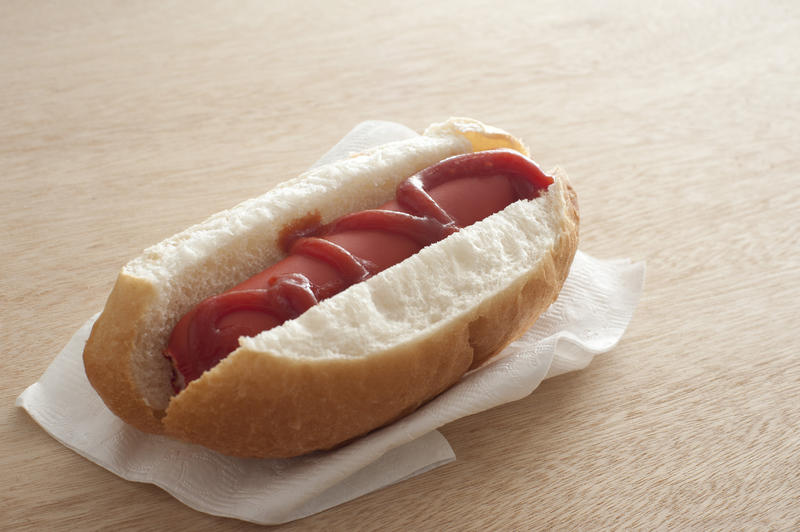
589	317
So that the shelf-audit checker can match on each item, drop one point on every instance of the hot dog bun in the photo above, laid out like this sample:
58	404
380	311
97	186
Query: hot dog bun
358	360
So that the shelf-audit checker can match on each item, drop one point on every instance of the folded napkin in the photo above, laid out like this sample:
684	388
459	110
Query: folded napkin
589	317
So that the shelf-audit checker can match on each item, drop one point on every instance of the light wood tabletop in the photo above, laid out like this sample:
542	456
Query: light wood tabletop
679	122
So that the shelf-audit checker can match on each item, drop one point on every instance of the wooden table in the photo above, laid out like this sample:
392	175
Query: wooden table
122	123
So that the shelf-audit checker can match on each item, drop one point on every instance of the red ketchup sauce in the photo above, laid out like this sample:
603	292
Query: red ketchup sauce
323	260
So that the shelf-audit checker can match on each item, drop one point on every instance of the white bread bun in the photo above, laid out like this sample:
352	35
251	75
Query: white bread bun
355	361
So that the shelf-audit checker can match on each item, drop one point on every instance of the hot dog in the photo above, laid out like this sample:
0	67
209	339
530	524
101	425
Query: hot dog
328	307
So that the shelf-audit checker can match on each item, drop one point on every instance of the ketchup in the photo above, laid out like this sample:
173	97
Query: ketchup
323	260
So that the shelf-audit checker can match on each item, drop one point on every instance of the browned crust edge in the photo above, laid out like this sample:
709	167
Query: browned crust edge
262	405
106	357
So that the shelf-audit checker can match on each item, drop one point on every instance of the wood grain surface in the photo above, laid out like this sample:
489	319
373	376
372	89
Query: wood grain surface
679	122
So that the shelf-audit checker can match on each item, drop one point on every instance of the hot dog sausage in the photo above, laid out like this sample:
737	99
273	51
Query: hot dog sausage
324	260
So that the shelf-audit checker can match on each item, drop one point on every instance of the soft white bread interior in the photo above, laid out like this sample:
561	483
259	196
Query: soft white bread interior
358	360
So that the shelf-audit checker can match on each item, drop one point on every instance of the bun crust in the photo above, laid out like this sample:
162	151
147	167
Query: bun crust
356	361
